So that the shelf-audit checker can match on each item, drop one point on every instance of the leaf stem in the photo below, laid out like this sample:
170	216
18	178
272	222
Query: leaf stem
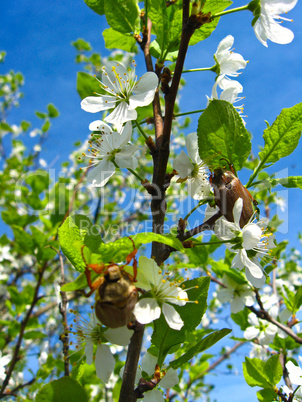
186	113
232	10
136	175
201	202
193	70
141	130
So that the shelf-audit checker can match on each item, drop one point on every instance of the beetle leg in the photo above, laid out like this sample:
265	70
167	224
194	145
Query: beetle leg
93	286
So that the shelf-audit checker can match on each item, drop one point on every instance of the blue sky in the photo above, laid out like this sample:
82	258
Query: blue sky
37	37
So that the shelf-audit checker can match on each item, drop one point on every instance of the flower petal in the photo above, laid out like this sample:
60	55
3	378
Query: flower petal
118	336
183	165
99	125
148	363
125	158
153	396
89	352
170	379
251	333
144	90
121	114
94	104
237	209
172	317
104	362
101	174
192	148
146	310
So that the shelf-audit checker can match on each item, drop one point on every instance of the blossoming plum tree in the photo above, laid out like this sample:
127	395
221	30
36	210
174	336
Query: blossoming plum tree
157	279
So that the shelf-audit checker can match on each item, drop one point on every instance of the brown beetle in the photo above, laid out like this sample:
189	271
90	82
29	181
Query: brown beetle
116	294
227	189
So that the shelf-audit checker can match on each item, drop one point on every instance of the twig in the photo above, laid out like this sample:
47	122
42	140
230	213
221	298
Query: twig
214	365
265	316
13	391
127	393
23	324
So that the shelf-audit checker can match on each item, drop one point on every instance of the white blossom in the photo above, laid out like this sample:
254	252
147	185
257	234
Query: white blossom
260	329
160	293
123	93
109	150
228	62
4	360
252	238
91	332
266	27
239	295
193	169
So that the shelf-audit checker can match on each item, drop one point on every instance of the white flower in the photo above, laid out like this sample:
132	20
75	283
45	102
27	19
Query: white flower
238	295
227	61
110	149
44	352
93	333
230	90
261	329
298	394
5	254
266	27
124	93
161	292
169	380
295	376
4	360
252	238
193	169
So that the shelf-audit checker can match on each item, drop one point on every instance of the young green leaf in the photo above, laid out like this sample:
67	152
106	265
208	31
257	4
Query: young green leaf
122	15
262	374
282	137
221	132
87	85
288	182
64	390
199	347
96	5
212	6
117	40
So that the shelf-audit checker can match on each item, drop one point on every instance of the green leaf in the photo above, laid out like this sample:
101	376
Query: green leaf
41	115
82	45
273	369
199	347
116	40
262	374
25	125
23	240
167	25
122	15
75	232
34	335
297	299
52	111
79	283
163	337
63	390
288	182
38	181
213	6
169	240
46	126
267	394
282	137
87	85
221	132
96	5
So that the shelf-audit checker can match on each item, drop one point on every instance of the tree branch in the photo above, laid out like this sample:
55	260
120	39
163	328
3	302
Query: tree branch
22	330
127	393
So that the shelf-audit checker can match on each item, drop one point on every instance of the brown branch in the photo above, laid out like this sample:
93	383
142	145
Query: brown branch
21	386
214	365
265	316
23	324
127	393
